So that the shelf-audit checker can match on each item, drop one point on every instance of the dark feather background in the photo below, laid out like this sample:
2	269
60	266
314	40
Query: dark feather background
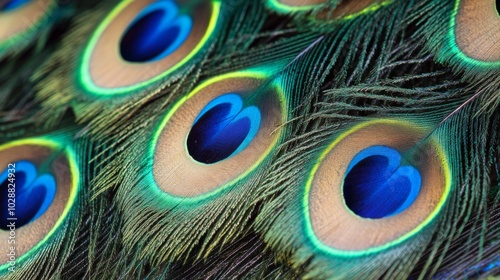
401	70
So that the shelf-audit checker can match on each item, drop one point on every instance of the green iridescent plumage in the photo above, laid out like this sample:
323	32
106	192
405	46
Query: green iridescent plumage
63	235
38	26
448	26
240	158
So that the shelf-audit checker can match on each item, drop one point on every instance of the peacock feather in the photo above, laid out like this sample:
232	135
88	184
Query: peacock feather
41	191
25	21
239	139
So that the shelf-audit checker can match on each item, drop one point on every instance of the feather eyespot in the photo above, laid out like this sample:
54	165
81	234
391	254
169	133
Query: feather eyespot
22	20
156	32
30	193
475	31
377	186
216	135
223	129
372	179
38	195
141	42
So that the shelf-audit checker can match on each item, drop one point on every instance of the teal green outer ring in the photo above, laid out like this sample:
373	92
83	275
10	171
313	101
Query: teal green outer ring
276	5
172	200
25	37
71	156
455	49
316	243
84	80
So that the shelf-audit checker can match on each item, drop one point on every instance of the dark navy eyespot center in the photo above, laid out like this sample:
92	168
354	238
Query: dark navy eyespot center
497	5
13	5
155	33
222	129
376	186
24	196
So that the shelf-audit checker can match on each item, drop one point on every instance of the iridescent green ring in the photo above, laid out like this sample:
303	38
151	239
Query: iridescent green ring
83	74
75	188
307	227
171	200
456	52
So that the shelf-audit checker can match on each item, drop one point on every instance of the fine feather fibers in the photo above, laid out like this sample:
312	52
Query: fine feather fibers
338	69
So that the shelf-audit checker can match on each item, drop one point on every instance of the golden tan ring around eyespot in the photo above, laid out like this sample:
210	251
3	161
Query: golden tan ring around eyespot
477	29
19	20
107	69
178	174
336	226
29	235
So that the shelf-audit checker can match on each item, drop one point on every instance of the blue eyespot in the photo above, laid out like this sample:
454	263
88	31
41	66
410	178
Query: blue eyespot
376	186
155	33
14	4
223	129
33	194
